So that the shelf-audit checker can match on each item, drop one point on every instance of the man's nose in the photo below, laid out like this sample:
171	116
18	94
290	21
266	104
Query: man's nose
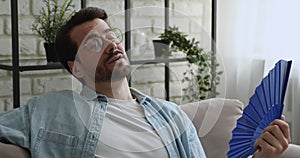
110	46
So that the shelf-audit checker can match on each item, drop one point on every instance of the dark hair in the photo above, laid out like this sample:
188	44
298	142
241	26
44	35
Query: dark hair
66	48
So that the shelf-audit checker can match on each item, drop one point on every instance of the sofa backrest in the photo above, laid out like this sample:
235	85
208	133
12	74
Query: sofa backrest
214	120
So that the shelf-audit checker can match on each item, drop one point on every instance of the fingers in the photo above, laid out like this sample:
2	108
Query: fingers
268	142
263	145
284	127
274	139
274	136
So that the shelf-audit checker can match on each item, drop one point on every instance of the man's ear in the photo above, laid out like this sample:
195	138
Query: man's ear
75	69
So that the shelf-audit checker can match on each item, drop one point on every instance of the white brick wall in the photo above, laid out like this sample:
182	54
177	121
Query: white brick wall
5	45
1	26
26	86
23	7
176	70
158	90
190	8
6	88
5	7
148	74
27	46
2	106
25	24
147	23
3	73
53	83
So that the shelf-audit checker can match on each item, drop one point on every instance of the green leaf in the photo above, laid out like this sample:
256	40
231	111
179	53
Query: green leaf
52	17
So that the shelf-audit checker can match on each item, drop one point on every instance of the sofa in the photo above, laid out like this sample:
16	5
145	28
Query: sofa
214	120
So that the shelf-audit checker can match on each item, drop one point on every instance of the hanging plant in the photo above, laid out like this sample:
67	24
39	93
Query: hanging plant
199	76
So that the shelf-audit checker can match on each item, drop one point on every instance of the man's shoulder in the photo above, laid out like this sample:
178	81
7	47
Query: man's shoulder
166	104
54	98
57	95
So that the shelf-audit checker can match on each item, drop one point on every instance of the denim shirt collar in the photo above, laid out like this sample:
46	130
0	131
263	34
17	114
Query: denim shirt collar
141	97
90	94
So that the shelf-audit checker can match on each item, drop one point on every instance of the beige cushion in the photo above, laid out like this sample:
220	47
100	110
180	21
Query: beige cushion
214	120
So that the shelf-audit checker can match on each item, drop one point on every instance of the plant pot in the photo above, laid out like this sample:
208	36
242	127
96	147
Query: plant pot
161	48
51	55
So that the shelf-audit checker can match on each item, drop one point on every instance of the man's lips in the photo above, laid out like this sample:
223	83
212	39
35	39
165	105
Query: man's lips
115	57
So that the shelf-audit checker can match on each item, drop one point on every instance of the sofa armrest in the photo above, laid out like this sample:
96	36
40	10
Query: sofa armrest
293	151
13	151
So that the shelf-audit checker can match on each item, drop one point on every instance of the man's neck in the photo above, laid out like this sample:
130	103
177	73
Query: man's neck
114	89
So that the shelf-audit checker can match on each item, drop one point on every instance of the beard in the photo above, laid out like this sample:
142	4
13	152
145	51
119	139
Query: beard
119	72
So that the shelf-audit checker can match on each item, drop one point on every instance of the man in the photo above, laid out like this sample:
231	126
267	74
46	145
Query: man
108	119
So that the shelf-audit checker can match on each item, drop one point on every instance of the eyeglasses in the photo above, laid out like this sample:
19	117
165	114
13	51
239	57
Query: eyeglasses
94	43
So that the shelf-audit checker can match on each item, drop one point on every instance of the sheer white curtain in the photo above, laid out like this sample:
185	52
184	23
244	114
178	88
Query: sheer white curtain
252	36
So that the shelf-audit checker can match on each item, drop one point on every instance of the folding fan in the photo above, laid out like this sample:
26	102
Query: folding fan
264	106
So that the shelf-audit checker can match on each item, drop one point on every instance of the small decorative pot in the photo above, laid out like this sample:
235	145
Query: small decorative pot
161	48
50	52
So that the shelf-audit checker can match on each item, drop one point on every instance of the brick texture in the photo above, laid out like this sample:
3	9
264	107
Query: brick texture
5	46
1	27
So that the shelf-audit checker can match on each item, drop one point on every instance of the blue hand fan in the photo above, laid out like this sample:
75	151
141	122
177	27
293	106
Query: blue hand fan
265	105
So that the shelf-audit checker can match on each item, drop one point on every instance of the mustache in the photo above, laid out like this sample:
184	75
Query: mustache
112	54
116	52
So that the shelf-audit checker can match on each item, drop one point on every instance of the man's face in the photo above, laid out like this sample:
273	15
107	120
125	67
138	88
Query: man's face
101	56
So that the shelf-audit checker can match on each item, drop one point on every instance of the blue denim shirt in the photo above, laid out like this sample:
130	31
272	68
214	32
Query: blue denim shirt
67	124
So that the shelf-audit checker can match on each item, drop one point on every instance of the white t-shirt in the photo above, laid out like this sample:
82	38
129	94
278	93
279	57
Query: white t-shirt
127	133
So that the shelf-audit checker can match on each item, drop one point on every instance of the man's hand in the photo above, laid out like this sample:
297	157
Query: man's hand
274	140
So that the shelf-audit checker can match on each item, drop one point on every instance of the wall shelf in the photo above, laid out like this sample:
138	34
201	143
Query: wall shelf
30	65
157	61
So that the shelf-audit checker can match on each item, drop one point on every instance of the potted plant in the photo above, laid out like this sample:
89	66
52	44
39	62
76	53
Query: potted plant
52	16
199	76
